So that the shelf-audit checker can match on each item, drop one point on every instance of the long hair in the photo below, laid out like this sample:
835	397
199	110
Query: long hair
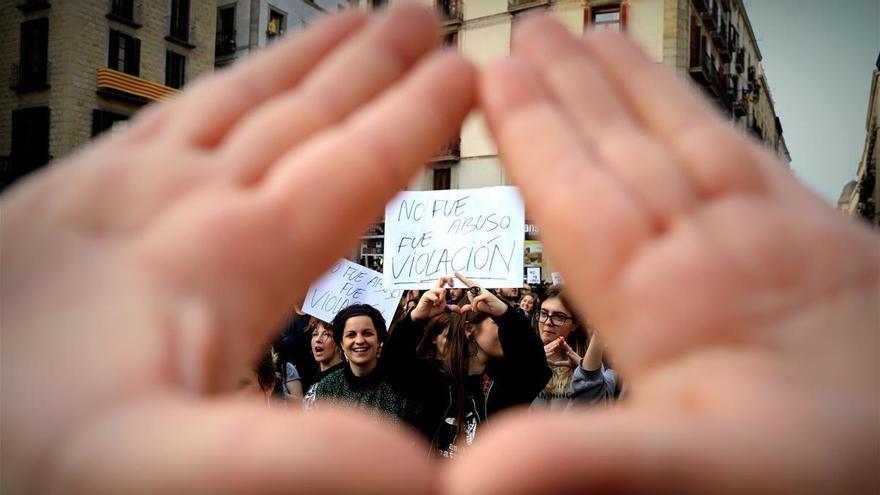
427	347
460	348
560	382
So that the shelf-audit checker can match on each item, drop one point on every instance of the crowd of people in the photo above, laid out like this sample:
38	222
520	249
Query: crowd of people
451	358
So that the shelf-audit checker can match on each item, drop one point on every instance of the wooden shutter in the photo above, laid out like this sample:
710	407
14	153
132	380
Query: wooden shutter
113	56
624	15
133	56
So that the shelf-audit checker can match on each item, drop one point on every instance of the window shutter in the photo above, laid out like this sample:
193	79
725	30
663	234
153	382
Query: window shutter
113	56
624	15
133	55
588	17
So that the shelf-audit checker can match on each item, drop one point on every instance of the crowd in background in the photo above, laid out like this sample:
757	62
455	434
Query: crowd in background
450	359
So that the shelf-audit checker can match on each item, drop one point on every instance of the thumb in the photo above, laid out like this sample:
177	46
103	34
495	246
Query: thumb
228	446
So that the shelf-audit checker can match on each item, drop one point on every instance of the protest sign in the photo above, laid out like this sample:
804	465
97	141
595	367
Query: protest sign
348	283
533	274
478	232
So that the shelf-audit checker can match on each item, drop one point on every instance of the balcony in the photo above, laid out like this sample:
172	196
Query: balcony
225	43
739	105
739	62
450	12
32	5
710	16
128	12
29	78
131	89
450	151
719	36
703	71
514	5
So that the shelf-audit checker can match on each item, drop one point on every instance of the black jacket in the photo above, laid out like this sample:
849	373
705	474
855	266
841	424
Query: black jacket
515	379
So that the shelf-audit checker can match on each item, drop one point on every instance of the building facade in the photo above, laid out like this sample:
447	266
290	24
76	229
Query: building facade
708	42
244	26
861	196
76	68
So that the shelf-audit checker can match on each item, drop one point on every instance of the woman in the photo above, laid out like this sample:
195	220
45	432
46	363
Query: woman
362	381
325	352
492	361
575	378
528	303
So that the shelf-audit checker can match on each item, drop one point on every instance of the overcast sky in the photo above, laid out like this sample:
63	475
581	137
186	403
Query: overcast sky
819	57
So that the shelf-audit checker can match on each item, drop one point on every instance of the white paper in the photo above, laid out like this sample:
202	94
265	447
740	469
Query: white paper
478	232
348	283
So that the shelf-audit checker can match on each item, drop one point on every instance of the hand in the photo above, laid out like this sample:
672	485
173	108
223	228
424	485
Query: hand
484	302
433	302
570	358
152	265
741	309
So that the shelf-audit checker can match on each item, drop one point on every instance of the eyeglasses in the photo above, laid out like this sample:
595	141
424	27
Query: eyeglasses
556	319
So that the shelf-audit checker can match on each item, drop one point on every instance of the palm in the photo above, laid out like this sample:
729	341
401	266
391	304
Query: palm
712	274
142	309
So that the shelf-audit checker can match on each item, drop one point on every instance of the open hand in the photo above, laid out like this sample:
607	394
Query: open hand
145	271
741	309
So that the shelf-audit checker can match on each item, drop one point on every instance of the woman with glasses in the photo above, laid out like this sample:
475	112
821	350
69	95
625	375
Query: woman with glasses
492	360
575	356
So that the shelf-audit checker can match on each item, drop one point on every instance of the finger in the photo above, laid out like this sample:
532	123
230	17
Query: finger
631	452
587	98
210	107
680	118
466	281
346	175
518	110
456	308
226	447
375	58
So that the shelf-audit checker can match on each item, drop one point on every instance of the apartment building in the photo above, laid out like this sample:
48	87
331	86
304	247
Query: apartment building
861	196
77	68
708	42
244	26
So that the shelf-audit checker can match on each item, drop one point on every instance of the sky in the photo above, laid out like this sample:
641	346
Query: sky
818	58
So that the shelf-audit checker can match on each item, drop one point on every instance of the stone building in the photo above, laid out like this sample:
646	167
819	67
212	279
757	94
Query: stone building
861	196
244	26
709	42
75	68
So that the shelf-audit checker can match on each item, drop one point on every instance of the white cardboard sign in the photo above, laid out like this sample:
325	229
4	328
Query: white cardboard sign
478	232
348	283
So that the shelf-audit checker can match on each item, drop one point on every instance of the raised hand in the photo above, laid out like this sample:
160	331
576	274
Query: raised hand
481	299
741	310
433	301
146	270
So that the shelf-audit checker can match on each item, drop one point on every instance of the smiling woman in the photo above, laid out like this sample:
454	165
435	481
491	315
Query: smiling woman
360	331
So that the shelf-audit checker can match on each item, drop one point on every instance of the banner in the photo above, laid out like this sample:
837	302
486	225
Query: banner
348	283
478	232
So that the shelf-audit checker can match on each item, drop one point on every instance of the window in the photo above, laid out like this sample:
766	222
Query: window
225	42
125	53
607	17
375	4
442	178
30	140
276	26
450	41
32	71
175	69
103	120
180	20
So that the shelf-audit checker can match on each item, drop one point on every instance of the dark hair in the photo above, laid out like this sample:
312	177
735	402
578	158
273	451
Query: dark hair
267	370
427	347
349	312
578	339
